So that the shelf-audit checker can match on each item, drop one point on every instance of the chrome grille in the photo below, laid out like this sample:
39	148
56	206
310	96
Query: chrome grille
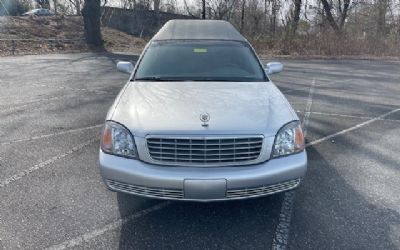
140	190
204	151
264	190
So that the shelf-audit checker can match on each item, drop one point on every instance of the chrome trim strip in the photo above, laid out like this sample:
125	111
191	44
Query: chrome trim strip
264	190
231	194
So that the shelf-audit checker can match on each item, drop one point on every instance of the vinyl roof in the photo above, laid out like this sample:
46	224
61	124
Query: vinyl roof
189	29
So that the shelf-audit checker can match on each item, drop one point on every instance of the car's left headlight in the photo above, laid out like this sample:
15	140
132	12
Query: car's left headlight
117	140
288	140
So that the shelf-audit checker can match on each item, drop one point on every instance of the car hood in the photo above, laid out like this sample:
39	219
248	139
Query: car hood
174	108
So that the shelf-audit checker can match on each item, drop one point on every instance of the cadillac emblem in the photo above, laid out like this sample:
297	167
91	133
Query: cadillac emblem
205	118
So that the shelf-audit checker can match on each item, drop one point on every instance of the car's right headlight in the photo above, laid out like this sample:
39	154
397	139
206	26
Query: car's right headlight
117	140
288	140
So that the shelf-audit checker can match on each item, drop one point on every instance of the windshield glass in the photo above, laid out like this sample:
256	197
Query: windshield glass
199	61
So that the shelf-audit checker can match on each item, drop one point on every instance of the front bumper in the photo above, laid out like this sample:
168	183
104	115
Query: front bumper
202	183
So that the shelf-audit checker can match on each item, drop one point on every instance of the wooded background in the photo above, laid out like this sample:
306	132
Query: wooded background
282	27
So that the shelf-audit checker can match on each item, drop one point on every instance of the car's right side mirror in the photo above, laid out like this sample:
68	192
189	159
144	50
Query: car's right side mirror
125	67
273	68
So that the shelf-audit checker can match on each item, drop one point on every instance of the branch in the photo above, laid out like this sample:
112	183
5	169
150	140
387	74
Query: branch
329	16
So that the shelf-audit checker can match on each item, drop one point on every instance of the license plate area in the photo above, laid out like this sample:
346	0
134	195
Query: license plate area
205	189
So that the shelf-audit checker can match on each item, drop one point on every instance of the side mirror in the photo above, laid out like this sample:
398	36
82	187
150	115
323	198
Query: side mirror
125	67
273	68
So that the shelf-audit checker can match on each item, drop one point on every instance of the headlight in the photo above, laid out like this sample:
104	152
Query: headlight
289	140
117	140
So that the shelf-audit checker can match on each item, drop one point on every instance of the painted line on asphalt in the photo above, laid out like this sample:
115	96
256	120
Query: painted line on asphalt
69	88
20	105
50	135
361	116
33	102
111	226
282	230
352	128
281	237
43	164
284	218
307	112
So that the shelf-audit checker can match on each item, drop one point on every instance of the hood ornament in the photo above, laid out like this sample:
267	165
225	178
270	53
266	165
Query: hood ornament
205	118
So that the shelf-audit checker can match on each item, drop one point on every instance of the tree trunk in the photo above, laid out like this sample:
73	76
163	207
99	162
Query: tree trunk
156	5
157	11
91	16
203	12
273	12
329	17
242	17
344	13
381	18
55	7
296	17
78	7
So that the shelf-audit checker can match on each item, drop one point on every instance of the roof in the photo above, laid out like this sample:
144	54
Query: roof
190	29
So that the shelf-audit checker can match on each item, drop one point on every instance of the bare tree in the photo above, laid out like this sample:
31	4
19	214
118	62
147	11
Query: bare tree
296	17
343	9
76	5
189	12
203	10
44	3
382	8
275	6
55	7
91	16
222	9
242	16
156	5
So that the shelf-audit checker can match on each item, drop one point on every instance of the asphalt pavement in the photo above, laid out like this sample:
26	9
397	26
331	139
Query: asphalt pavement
52	196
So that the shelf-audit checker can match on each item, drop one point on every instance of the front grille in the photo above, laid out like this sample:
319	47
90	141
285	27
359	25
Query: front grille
140	190
205	151
264	190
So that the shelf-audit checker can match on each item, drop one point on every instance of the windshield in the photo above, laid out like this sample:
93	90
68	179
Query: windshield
199	61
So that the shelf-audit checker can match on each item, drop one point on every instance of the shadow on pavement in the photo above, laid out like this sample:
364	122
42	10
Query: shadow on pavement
330	214
246	224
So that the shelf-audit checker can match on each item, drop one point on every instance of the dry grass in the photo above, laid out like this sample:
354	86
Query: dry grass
36	29
62	29
328	45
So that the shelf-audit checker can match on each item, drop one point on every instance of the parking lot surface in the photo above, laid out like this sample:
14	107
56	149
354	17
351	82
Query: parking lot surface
52	196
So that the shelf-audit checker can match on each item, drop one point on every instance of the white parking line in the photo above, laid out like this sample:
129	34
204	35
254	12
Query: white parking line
352	128
69	88
111	226
29	103
282	230
284	218
307	112
360	116
43	164
23	104
50	135
280	240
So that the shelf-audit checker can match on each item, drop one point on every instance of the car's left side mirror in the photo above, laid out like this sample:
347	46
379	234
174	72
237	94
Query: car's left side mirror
273	68
125	67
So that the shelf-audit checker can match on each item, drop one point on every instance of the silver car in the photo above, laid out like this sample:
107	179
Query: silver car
200	120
